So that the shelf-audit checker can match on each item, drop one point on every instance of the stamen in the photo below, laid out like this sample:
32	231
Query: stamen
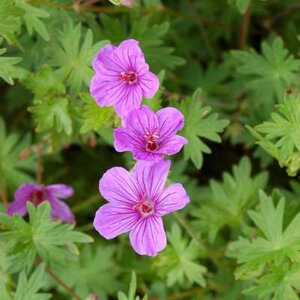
151	141
130	77
144	207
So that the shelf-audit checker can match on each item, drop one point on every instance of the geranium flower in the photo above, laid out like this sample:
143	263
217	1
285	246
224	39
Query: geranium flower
137	203
149	135
122	77
37	194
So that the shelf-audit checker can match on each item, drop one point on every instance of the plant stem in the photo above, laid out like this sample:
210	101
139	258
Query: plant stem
245	27
39	169
86	203
61	283
186	226
3	197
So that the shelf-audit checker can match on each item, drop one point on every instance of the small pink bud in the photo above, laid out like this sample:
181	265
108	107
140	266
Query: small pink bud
92	297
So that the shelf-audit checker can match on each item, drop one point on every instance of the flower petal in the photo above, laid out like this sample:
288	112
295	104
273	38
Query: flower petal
171	199
22	195
106	93
61	211
170	120
173	145
148	236
111	221
149	83
118	186
103	57
151	177
60	190
126	140
130	98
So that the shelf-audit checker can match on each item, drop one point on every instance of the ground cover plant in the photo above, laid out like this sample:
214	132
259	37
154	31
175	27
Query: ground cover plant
149	149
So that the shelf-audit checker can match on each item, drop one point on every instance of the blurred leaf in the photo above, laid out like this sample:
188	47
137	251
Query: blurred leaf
13	169
8	70
53	113
94	116
94	272
178	262
268	74
228	201
199	124
32	16
72	55
39	237
10	21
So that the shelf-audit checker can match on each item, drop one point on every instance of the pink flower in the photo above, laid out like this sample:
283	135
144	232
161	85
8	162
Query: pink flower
149	135
37	194
137	203
128	3
122	77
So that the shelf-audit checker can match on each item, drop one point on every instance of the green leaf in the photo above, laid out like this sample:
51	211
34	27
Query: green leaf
72	55
27	289
228	201
94	272
242	5
178	262
281	135
199	123
53	114
10	21
43	83
268	74
13	169
39	237
8	70
32	16
94	117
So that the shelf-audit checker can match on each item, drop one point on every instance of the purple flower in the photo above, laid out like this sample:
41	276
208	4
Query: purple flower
122	77
137	202
150	135
37	194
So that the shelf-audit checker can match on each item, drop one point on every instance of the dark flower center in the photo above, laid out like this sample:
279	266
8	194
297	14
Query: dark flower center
130	77
38	197
152	142
145	207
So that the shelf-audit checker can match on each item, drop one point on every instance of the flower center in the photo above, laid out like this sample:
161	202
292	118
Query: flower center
37	197
151	142
145	207
130	77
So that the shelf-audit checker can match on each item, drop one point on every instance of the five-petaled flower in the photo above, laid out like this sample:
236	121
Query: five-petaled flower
150	135
37	194
137	202
122	77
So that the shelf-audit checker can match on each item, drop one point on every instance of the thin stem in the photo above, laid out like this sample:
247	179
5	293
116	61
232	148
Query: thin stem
87	203
61	283
39	168
245	27
3	197
186	226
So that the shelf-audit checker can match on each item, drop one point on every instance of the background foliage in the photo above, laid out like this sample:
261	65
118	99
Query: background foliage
233	68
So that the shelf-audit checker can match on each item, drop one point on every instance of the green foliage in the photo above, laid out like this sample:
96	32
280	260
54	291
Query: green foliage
13	168
53	113
10	21
27	288
199	123
242	5
268	74
72	55
94	116
281	135
94	272
266	257
40	237
32	16
227	201
8	70
178	262
132	291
